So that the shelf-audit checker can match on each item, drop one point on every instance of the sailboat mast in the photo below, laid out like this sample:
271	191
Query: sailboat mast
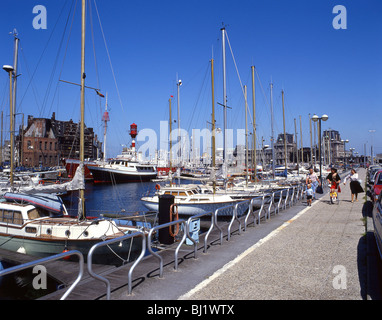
311	144
254	158
15	62
81	213
246	137
295	132
224	98
105	119
285	141
213	122
11	129
273	135
170	119
302	146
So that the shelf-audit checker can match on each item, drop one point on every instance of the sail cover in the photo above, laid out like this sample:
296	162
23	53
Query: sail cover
48	202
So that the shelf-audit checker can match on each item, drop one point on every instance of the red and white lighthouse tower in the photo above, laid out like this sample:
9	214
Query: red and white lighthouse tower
133	134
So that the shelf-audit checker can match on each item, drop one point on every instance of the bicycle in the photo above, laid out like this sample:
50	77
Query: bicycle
333	196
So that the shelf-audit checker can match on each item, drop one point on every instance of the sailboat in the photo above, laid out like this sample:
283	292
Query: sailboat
39	225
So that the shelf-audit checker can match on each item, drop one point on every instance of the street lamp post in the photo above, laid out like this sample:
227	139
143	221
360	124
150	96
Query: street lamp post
372	146
345	158
316	118
351	156
10	70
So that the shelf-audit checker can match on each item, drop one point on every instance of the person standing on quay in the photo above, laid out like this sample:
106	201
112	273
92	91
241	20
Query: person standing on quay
355	186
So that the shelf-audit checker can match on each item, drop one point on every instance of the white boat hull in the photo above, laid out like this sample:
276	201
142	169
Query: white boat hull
190	209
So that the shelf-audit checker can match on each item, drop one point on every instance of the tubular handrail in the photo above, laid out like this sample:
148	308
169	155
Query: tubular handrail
183	222
235	217
49	259
270	205
286	198
216	219
250	211
280	199
110	241
197	216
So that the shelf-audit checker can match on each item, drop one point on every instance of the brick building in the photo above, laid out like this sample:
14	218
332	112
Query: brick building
47	141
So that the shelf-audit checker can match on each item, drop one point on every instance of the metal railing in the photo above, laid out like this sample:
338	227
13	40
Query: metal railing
188	223
49	259
140	233
180	221
287	197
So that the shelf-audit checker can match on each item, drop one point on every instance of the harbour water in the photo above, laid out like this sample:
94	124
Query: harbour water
100	199
122	198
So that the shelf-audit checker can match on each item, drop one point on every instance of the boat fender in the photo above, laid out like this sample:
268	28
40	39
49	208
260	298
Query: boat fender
157	187
41	182
64	251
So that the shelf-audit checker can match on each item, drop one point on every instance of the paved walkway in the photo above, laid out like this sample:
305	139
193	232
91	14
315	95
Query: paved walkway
318	254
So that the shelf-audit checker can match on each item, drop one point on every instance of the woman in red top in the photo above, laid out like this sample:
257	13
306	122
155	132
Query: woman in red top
334	179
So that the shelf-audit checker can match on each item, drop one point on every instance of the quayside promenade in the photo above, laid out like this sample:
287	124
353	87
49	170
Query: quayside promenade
319	254
323	252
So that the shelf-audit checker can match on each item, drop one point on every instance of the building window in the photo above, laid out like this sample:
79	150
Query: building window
40	145
50	145
46	145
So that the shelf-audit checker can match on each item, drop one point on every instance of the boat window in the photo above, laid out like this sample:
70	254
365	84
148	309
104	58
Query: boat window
17	218
9	216
35	213
182	193
173	193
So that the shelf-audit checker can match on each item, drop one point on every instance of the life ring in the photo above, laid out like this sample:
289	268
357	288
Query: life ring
41	182
157	187
173	217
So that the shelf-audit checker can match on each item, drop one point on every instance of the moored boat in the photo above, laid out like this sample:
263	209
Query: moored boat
190	199
39	225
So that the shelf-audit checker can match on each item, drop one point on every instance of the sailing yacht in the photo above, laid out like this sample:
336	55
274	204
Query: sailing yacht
39	224
190	198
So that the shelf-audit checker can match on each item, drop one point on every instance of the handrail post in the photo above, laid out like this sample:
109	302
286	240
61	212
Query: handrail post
250	212
129	275
154	253
48	259
188	222
279	202
183	222
110	241
217	225
261	209
286	198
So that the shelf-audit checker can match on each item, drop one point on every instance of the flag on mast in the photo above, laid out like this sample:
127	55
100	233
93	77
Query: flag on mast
100	94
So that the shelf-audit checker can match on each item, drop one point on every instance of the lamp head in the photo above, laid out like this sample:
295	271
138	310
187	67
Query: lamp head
315	118
8	68
324	117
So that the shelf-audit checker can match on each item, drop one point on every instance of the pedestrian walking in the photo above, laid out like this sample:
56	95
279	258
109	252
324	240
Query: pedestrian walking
334	180
312	178
309	194
355	185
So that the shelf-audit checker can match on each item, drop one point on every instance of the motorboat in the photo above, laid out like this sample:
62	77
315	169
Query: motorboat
121	170
125	167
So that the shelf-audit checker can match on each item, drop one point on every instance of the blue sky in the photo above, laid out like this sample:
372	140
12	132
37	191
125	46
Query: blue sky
151	43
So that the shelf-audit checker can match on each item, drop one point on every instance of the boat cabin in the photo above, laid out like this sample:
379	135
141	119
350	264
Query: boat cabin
18	214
